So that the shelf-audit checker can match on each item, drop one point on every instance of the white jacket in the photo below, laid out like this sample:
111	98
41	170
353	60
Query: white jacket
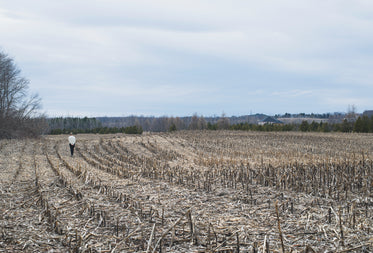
72	140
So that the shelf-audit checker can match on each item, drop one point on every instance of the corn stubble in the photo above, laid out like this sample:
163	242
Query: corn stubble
214	191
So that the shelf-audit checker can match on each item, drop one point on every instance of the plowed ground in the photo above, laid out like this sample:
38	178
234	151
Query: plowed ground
215	191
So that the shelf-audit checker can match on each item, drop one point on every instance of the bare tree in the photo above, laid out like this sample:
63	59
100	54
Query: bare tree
179	123
18	109
223	122
351	112
194	122
202	124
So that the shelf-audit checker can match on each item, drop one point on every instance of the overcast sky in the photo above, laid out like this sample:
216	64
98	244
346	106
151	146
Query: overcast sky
180	57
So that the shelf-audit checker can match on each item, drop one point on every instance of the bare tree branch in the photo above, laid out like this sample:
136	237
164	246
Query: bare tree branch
18	110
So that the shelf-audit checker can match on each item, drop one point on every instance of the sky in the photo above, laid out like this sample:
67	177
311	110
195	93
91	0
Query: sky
184	57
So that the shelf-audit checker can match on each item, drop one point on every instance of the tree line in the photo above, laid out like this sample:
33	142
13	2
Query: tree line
61	125
99	130
19	109
133	124
361	125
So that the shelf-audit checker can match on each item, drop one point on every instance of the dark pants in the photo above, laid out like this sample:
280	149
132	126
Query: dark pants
72	149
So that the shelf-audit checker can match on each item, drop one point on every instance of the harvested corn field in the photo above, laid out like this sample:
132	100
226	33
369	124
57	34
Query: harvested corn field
215	191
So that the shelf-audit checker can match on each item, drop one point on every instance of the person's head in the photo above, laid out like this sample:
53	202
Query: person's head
71	133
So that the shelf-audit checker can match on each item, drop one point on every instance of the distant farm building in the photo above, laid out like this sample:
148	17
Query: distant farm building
270	121
368	113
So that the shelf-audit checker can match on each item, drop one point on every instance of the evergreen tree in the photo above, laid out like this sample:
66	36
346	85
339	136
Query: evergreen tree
304	126
347	126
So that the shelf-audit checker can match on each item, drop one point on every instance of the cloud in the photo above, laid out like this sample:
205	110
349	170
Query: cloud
174	51
286	35
345	97
292	93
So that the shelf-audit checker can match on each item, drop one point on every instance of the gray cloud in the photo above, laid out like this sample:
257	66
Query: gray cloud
157	55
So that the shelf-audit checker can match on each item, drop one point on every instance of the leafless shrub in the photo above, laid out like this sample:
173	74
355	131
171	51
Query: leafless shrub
18	110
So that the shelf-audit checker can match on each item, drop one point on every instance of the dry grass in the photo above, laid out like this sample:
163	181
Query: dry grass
188	192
